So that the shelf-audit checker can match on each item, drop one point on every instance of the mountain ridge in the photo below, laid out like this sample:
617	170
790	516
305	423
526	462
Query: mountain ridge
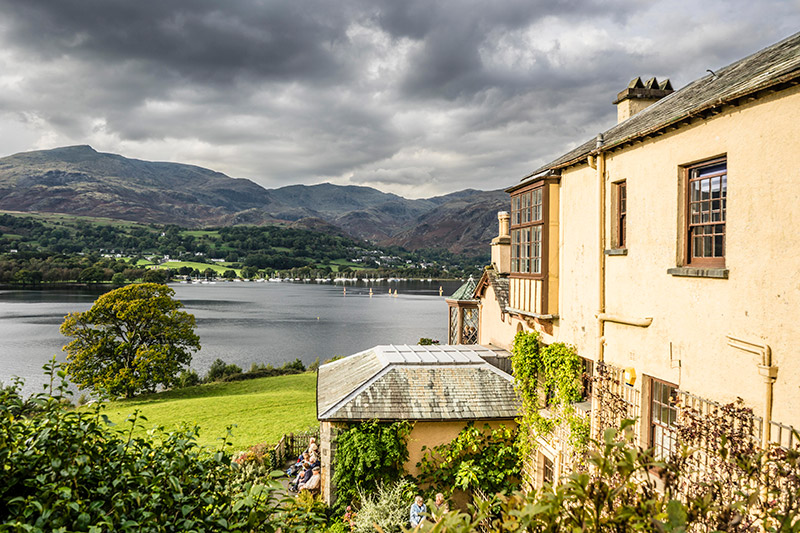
82	181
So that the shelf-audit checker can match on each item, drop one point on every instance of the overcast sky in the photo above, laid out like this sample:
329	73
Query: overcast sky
415	97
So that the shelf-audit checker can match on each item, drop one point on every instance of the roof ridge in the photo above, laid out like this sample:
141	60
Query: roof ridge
774	64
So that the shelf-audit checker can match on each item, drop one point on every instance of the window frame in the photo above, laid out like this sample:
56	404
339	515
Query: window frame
528	214
690	177
655	421
548	470
621	238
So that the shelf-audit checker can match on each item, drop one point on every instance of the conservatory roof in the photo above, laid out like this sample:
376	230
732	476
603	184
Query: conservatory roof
449	382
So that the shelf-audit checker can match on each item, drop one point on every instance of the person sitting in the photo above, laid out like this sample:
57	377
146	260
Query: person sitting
295	468
303	475
312	445
418	509
440	507
313	482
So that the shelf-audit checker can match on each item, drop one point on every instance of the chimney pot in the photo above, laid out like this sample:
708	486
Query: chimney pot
637	96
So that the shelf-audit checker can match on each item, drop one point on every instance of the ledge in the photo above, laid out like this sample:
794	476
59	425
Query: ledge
514	311
616	251
690	272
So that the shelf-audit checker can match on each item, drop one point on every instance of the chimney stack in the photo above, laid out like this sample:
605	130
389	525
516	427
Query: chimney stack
501	245
638	96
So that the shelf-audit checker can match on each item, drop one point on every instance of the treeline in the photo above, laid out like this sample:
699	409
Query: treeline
222	371
27	268
28	243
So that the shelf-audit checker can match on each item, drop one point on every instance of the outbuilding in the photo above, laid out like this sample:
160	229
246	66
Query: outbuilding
439	388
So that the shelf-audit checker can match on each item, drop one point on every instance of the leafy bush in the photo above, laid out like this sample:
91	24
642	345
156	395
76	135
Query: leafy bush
487	459
384	509
188	378
220	369
425	341
367	455
297	364
69	470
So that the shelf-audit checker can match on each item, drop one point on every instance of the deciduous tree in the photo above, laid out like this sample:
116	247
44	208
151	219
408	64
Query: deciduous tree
131	340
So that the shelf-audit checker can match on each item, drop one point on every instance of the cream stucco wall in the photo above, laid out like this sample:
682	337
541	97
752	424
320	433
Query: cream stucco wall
432	434
686	343
496	328
760	301
579	257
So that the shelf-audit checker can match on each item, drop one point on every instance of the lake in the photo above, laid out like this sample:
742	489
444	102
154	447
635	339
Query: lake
242	323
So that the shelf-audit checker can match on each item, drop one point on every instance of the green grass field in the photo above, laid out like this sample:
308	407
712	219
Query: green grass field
262	409
52	218
338	264
219	268
201	233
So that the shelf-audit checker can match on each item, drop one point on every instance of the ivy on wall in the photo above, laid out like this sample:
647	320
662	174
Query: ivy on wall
369	454
485	459
551	377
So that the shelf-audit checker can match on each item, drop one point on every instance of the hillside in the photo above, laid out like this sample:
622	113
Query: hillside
262	409
81	181
78	180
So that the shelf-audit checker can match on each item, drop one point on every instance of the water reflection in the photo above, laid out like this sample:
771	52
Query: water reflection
242	323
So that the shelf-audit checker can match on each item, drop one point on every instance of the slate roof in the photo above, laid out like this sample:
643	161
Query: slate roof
465	291
772	66
498	282
433	383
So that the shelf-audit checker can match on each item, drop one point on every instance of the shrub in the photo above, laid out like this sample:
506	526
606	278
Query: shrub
487	460
385	509
188	378
220	369
297	364
368	454
69	470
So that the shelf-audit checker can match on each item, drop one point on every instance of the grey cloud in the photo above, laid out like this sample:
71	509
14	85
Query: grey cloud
203	40
418	97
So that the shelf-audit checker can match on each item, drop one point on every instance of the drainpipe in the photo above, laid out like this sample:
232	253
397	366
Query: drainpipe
765	370
600	163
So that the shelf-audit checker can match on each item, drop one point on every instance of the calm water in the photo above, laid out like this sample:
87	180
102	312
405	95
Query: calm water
241	323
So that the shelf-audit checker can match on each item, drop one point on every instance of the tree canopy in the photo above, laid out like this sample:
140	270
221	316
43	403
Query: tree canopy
131	340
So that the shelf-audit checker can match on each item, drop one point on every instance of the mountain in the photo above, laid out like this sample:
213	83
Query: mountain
467	222
81	181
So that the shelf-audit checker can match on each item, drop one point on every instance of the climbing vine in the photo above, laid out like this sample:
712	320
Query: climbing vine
367	454
548	376
486	460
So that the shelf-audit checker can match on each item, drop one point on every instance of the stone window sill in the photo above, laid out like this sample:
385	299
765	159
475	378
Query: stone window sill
690	272
616	251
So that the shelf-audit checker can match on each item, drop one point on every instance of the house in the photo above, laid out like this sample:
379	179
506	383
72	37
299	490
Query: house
439	388
665	251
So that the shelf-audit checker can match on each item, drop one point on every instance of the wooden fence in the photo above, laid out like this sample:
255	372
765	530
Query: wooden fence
290	447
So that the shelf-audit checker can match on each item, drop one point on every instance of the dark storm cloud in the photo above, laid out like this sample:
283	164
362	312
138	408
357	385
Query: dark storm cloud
204	40
418	97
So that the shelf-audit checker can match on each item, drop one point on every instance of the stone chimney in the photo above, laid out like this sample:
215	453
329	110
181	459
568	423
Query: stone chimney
639	95
501	245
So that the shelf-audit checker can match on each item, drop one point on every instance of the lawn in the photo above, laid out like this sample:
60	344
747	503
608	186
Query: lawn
201	233
338	264
219	268
262	409
52	218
